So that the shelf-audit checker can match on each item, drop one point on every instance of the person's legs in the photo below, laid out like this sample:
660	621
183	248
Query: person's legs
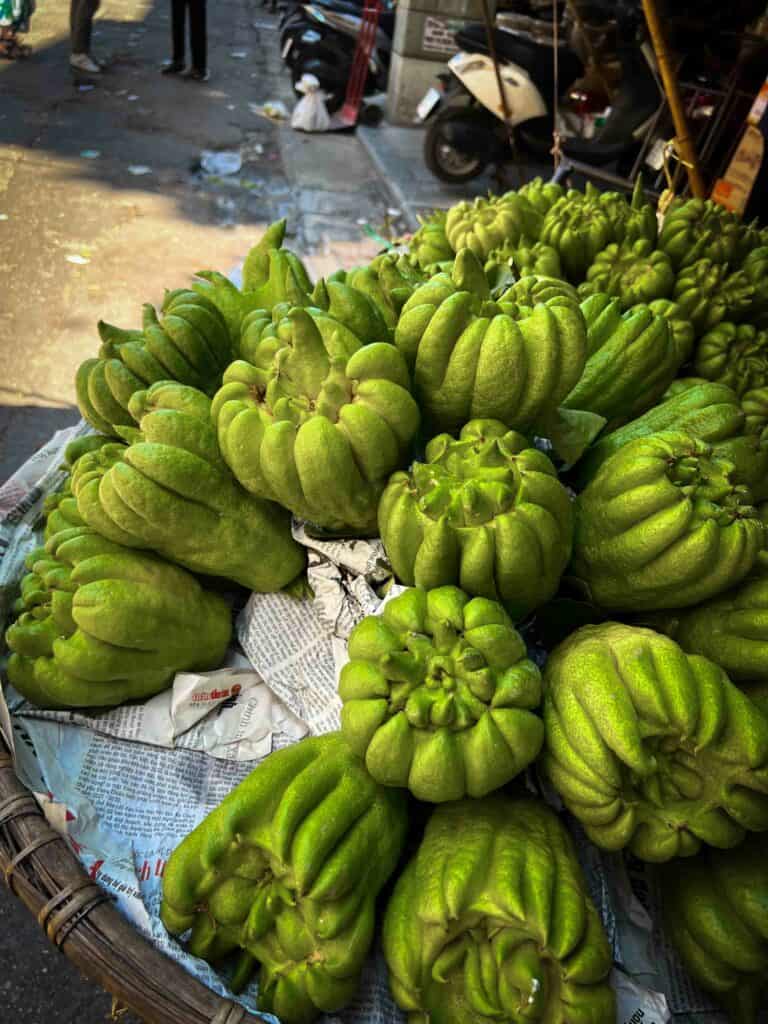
81	14
178	17
197	35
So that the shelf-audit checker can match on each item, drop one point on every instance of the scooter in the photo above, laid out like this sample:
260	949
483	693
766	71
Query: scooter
320	39
466	128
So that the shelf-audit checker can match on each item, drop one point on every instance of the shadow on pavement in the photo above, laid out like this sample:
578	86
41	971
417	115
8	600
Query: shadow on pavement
100	129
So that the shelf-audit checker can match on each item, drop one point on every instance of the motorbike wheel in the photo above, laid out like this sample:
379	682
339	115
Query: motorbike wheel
443	160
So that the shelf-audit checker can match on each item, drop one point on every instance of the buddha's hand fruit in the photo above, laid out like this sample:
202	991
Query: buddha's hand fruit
388	281
715	912
707	411
271	275
630	221
60	507
439	695
491	921
632	360
99	624
317	425
663	525
476	359
188	341
731	630
536	258
650	748
173	493
634	272
699	293
755	266
288	869
485	224
697	228
579	230
486	513
542	195
734	355
429	246
681	328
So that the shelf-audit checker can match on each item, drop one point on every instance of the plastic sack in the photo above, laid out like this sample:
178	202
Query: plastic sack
310	114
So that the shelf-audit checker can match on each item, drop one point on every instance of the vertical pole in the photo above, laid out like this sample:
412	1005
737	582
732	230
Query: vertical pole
683	140
492	48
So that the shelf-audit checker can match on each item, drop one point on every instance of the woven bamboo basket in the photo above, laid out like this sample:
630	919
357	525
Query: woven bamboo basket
78	918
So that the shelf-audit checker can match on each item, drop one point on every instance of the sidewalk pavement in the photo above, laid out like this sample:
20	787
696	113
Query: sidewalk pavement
397	153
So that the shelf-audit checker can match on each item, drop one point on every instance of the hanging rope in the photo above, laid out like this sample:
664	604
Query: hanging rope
669	153
557	149
506	112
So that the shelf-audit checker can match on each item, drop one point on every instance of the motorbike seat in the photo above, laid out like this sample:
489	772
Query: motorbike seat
533	56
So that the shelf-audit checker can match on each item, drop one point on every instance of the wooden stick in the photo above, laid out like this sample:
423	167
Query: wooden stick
685	146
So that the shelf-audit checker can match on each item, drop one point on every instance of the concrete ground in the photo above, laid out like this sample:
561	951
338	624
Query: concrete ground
83	238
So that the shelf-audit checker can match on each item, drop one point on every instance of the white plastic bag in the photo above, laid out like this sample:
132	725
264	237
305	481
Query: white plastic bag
310	114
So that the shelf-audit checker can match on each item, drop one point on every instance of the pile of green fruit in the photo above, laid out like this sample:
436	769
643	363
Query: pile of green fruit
555	416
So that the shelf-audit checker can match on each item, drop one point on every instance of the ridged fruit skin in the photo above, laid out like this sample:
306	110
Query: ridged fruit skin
634	272
736	355
579	229
748	450
486	513
531	290
172	492
632	360
731	630
681	328
288	868
710	295
491	921
697	228
652	749
99	624
429	245
631	220
388	281
317	420
345	317
715	912
60	507
439	696
542	195
536	258
755	406
472	358
708	411
755	266
663	525
188	342
271	275
485	224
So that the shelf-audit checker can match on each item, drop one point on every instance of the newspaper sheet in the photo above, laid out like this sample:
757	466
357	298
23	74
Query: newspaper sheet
125	786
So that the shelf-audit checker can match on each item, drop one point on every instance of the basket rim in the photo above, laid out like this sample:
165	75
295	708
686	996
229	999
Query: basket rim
78	918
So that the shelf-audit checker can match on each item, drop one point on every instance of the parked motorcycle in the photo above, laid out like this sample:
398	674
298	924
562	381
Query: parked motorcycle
320	39
466	129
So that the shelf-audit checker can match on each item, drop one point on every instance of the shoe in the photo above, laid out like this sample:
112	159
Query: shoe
82	62
172	67
196	74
